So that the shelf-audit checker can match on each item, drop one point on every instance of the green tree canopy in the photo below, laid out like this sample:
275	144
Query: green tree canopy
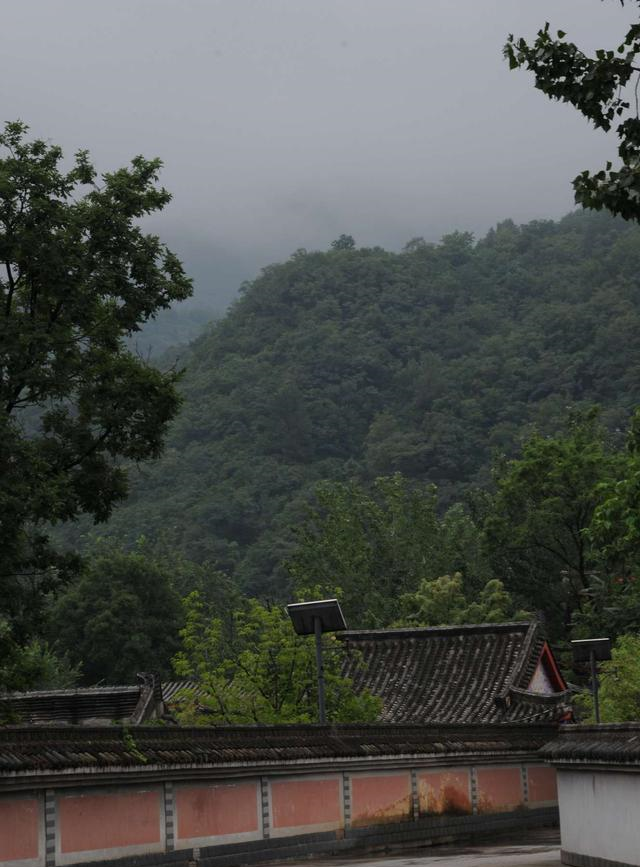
121	617
596	86
610	606
344	242
612	602
34	665
442	602
77	276
536	526
260	671
619	678
371	546
362	363
615	529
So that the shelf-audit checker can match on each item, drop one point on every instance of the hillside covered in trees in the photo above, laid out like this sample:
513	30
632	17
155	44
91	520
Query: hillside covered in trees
357	363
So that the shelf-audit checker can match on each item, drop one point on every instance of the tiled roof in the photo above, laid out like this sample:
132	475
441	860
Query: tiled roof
612	744
28	751
71	706
82	706
171	687
452	674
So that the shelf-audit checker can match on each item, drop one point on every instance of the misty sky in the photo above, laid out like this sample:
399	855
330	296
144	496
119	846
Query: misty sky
283	123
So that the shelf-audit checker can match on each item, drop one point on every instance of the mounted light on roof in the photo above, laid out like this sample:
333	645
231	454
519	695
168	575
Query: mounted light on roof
314	618
305	614
592	650
599	647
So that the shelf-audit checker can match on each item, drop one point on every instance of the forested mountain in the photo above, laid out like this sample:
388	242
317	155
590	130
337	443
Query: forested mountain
355	363
170	331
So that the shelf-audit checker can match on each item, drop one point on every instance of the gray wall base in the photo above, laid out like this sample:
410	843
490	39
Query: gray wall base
427	831
577	860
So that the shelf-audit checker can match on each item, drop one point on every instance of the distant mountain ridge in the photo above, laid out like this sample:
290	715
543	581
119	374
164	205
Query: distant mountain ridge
361	362
171	330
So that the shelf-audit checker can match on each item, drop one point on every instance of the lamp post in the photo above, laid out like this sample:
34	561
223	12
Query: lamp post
314	618
589	650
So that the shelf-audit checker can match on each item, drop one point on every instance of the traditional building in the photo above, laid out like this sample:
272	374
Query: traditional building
465	711
482	673
91	705
489	673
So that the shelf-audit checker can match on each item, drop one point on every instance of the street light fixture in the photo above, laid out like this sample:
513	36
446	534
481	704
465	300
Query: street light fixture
314	618
590	650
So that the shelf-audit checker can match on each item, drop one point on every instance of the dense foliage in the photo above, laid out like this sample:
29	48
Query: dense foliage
358	363
536	529
119	618
619	679
77	276
604	88
164	338
250	667
375	546
413	432
443	602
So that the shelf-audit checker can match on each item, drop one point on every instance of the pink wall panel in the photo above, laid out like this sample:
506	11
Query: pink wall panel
108	821
305	802
19	828
542	784
212	811
380	798
499	789
444	791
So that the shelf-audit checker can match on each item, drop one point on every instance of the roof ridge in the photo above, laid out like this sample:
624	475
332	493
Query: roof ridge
88	754
521	663
429	631
527	697
85	733
70	691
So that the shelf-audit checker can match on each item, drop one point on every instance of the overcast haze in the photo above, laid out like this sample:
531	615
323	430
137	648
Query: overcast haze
283	123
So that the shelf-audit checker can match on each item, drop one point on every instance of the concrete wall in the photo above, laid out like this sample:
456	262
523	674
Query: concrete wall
599	817
82	824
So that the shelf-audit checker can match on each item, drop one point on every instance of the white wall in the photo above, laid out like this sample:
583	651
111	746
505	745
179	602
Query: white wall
600	814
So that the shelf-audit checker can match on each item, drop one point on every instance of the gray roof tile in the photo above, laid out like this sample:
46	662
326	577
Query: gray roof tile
452	674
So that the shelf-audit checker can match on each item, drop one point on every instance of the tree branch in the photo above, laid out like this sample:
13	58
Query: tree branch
12	289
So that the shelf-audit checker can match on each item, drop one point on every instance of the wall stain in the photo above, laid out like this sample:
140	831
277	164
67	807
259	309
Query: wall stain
488	805
448	799
395	811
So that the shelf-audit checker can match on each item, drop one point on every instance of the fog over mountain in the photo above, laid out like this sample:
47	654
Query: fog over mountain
285	123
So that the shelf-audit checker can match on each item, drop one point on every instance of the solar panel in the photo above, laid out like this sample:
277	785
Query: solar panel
582	649
327	611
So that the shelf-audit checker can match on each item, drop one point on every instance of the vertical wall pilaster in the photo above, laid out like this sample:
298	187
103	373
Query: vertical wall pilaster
169	818
346	800
474	789
525	784
50	820
264	800
415	801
